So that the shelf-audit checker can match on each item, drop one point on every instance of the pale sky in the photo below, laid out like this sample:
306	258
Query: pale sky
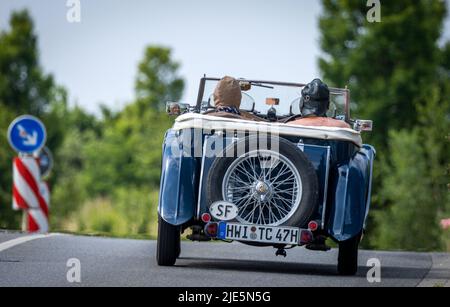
96	60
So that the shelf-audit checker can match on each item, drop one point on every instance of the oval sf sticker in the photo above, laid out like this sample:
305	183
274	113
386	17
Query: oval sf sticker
223	211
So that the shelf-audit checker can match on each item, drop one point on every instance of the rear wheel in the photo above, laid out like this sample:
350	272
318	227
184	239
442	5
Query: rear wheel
168	246
178	247
348	257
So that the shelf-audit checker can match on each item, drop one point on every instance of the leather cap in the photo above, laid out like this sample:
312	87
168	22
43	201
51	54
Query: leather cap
315	99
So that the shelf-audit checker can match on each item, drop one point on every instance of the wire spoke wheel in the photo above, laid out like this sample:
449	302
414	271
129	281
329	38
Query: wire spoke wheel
265	186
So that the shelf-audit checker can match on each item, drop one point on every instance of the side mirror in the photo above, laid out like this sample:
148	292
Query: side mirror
245	86
177	108
363	125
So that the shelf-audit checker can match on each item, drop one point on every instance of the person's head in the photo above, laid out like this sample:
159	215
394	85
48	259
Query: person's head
228	93
315	99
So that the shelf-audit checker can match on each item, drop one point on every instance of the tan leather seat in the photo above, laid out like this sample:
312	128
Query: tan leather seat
320	122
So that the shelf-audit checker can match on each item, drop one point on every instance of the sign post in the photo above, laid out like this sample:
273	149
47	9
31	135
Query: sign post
27	136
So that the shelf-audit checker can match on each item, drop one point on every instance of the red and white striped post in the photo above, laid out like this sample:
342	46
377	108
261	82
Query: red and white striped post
38	219
30	194
27	136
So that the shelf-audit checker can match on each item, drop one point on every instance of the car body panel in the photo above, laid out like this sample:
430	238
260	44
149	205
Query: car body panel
344	172
350	193
179	180
319	156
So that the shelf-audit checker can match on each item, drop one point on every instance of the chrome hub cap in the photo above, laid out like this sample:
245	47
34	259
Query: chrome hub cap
262	191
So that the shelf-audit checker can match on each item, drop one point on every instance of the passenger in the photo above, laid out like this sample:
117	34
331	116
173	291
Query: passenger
315	103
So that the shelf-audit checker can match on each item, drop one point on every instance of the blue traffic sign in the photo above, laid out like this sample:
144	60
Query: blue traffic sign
27	134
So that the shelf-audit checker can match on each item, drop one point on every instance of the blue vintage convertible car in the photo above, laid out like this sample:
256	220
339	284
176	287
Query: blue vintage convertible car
264	182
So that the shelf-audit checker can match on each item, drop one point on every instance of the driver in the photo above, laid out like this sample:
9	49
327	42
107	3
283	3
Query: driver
315	103
227	100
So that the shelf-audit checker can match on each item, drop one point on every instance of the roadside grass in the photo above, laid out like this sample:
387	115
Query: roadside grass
130	213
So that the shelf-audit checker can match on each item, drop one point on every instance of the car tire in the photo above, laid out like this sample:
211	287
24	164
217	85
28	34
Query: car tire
310	190
348	257
168	244
178	247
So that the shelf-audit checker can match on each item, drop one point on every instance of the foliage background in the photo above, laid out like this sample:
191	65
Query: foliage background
106	174
398	72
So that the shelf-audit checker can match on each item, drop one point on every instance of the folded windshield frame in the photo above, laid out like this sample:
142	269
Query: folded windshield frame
333	90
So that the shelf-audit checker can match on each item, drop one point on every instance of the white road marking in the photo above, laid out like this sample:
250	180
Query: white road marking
11	243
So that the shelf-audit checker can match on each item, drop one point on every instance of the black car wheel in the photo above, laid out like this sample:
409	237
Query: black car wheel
178	247
168	245
348	256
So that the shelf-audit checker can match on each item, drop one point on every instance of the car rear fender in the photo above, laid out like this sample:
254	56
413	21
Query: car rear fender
179	181
350	195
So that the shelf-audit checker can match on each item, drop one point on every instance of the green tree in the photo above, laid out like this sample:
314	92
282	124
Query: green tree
406	224
416	176
8	219
128	153
415	180
386	64
24	89
399	77
157	80
68	191
121	165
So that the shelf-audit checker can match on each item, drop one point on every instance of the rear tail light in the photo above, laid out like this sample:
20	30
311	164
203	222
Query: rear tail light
211	229
206	217
363	125
313	226
306	237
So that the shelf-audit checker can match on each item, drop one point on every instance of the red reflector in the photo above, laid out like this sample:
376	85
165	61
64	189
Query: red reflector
306	237
313	226
206	217
211	229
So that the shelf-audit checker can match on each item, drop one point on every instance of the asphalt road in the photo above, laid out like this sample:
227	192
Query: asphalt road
118	262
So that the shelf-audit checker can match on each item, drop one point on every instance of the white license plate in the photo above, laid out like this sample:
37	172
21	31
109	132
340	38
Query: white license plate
259	234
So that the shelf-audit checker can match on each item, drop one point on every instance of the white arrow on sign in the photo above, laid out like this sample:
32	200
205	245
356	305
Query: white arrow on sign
30	140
